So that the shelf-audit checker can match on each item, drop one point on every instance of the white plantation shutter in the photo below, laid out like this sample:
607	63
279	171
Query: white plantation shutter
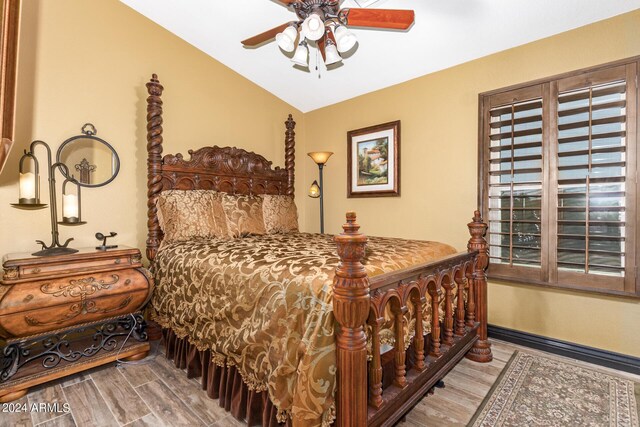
558	180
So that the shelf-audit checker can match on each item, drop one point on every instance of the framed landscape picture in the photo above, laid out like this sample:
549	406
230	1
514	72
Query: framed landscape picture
373	161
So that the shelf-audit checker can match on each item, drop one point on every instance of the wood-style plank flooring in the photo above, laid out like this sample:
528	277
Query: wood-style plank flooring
157	394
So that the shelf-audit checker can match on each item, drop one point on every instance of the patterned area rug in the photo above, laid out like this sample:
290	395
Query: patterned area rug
534	390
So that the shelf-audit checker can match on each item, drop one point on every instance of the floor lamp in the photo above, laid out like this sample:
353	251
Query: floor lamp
316	191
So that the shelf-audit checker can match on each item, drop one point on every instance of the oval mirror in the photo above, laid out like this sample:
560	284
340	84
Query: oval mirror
91	160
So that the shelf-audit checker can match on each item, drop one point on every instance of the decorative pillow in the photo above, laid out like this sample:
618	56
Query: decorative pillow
244	214
221	230
185	215
280	214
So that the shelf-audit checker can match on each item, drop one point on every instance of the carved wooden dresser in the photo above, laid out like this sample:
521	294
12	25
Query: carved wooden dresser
63	314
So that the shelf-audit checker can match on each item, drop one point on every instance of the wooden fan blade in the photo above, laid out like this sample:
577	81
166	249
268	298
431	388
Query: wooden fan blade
378	18
321	46
263	37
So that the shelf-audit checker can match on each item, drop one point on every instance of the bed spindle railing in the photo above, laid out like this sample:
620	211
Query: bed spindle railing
444	287
400	367
154	163
460	312
351	303
434	291
418	341
447	334
481	350
471	300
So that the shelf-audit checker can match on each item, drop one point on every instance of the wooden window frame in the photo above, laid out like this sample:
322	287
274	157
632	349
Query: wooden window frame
548	275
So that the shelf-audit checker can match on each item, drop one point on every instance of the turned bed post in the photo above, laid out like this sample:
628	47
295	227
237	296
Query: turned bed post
154	163
481	350
290	154
351	303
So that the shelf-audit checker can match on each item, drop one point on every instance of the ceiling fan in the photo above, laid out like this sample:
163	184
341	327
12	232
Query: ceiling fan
325	24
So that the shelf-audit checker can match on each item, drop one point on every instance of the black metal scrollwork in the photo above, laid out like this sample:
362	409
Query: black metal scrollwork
56	347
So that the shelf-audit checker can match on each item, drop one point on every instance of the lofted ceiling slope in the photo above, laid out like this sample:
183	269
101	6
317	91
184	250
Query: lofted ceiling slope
445	33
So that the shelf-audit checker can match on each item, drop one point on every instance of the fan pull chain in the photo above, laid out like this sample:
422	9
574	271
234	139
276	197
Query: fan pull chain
317	61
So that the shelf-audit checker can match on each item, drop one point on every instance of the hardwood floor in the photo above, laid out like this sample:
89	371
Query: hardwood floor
157	394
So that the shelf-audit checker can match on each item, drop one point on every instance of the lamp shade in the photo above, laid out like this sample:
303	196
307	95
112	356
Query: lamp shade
344	38
314	190
331	54
27	186
70	207
320	157
301	57
287	39
313	27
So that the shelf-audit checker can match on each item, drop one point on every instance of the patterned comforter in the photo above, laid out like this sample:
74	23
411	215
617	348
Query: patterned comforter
264	305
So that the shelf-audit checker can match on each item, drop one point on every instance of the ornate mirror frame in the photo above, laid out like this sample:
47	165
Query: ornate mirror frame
88	132
9	29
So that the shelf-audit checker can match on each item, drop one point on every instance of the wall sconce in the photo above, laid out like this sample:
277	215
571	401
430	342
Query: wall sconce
29	199
316	191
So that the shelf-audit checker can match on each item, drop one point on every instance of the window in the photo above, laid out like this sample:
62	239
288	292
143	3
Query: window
558	179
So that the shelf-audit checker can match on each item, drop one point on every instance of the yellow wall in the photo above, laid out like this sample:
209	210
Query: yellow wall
87	61
439	114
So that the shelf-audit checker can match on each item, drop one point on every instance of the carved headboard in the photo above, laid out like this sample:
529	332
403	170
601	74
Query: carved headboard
228	169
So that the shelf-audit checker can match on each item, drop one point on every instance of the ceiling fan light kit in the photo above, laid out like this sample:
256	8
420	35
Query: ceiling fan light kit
287	39
301	57
325	24
313	27
345	39
331	54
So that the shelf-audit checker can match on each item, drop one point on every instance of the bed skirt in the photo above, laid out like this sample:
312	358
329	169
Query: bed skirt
222	383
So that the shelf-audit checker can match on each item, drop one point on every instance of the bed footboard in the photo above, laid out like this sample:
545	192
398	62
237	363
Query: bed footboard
451	293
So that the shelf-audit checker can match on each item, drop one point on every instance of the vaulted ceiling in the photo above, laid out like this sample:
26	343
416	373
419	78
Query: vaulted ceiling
445	33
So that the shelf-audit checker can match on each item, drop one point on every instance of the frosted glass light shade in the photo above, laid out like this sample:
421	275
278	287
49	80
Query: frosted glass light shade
344	38
331	54
301	57
70	206
320	157
313	27
287	39
27	185
314	190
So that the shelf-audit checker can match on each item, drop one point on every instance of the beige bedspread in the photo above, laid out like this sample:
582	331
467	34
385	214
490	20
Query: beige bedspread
264	305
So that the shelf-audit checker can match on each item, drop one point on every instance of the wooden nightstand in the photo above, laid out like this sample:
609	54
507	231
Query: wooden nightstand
63	314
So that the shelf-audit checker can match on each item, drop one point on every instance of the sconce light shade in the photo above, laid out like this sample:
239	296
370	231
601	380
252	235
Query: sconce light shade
69	208
344	38
320	157
331	54
314	190
71	204
287	39
28	188
301	57
313	27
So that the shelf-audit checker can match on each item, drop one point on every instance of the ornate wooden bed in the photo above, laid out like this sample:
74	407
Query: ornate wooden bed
359	301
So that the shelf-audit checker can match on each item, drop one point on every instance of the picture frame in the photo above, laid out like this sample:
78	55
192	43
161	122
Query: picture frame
373	161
